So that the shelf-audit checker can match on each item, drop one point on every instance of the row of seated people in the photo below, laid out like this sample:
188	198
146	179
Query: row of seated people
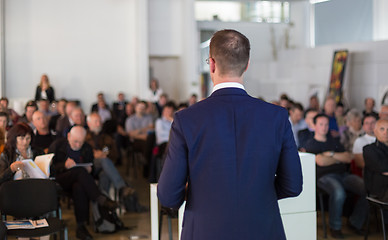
80	145
343	144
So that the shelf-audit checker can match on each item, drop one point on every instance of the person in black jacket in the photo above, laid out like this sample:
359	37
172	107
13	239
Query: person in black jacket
17	148
44	90
376	163
75	178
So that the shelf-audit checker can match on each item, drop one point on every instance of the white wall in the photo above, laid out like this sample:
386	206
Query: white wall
299	71
84	46
173	47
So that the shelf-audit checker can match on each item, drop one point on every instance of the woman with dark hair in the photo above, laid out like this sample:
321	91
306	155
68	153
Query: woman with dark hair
17	148
44	90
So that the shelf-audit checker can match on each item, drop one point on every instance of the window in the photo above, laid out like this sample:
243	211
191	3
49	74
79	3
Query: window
234	11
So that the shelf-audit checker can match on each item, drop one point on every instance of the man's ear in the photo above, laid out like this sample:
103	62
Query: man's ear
249	61
212	65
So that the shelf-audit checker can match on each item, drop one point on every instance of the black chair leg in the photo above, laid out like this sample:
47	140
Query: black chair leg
383	222
160	224
323	215
169	227
367	225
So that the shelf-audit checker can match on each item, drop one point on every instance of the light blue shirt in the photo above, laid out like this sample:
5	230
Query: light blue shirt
162	130
296	128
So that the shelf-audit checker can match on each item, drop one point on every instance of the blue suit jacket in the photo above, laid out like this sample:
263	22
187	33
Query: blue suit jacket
238	156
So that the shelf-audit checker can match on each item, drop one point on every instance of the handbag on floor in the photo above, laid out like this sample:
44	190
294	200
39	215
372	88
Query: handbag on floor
105	221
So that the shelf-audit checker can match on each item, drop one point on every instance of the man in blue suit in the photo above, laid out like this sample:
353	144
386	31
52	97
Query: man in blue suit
230	156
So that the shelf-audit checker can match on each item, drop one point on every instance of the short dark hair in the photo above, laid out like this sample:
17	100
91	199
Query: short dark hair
4	99
368	115
31	103
170	104
230	49
4	114
297	106
309	110
319	115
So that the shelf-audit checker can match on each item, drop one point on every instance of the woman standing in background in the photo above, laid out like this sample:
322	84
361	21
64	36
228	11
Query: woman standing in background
44	90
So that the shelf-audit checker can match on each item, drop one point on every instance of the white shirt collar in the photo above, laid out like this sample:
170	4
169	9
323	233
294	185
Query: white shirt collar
228	85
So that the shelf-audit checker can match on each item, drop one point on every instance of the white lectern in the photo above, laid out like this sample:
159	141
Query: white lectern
298	214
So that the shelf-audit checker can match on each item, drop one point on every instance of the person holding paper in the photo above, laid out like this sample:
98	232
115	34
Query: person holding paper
69	153
17	148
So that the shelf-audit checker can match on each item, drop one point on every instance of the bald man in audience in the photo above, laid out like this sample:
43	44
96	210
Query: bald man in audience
43	137
77	180
383	114
369	107
376	163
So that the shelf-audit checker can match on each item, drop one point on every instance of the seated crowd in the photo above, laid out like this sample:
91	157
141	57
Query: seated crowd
351	155
350	146
95	142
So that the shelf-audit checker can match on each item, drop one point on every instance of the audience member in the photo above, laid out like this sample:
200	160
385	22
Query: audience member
13	115
138	125
193	99
44	90
339	114
329	109
314	103
151	110
163	124
78	180
140	128
29	109
154	92
4	119
369	107
284	101
368	125
306	134
104	151
44	107
60	107
43	136
333	178
163	99
353	130
16	149
64	122
100	98
376	163
119	108
77	118
383	114
182	106
296	120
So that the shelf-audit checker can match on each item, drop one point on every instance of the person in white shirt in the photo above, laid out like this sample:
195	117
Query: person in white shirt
368	125
155	91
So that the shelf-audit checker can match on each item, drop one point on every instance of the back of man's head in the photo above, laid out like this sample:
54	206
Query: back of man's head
230	50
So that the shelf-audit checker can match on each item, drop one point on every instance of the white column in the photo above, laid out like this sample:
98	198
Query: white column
380	20
190	43
141	36
2	62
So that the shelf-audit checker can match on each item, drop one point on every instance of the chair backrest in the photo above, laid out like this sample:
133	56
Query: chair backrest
28	198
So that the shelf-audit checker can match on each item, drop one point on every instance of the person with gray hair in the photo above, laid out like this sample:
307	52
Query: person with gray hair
354	129
72	168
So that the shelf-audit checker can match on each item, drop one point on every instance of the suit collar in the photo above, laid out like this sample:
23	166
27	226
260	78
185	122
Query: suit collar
229	91
227	85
